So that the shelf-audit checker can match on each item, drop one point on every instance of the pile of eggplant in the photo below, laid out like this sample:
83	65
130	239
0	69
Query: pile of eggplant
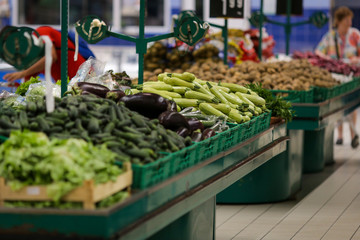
184	123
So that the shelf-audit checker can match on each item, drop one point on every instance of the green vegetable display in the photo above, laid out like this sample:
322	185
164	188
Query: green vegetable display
30	158
22	89
129	134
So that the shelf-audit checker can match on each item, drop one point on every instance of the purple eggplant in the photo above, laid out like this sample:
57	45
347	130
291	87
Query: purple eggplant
196	136
88	93
115	95
183	132
97	89
173	120
208	133
147	104
195	124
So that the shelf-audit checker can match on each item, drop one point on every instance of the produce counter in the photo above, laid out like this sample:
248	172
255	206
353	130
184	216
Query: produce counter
317	121
186	200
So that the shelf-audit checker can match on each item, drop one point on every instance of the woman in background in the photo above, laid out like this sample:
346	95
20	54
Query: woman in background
343	43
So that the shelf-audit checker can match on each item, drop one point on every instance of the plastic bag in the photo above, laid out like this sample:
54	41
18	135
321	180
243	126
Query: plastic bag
104	79
89	69
13	100
37	91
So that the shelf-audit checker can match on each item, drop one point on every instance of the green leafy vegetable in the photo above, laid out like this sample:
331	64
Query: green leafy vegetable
279	106
30	158
22	89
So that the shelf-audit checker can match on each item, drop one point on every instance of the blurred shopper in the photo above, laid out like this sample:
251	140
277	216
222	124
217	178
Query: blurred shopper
39	66
342	42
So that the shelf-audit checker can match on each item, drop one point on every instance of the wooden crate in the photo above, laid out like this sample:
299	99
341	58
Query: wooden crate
88	193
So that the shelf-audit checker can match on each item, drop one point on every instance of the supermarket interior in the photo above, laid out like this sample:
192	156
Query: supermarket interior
179	119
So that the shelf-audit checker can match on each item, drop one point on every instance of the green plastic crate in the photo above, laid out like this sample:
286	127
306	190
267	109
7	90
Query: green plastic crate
263	122
228	138
185	158
208	148
296	96
248	129
150	174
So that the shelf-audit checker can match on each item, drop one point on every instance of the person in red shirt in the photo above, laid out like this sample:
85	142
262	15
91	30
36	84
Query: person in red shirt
39	66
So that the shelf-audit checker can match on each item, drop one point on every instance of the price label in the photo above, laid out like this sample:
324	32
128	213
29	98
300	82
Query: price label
227	8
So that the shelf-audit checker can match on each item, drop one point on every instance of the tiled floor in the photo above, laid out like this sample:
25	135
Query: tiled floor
327	207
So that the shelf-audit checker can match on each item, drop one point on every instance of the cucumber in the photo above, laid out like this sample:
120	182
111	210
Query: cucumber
138	121
109	127
56	121
31	106
93	126
78	125
69	125
43	124
23	119
83	108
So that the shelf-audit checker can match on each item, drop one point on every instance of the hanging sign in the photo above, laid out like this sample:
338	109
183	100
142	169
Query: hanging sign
227	8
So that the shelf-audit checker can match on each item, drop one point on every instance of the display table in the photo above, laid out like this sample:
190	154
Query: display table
318	121
186	200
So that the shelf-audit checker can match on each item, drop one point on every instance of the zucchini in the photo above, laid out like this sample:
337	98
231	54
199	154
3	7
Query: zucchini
201	96
186	76
174	81
234	87
216	92
158	86
208	123
203	90
234	114
225	108
230	98
164	94
184	102
259	101
180	90
225	89
244	99
161	76
210	110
